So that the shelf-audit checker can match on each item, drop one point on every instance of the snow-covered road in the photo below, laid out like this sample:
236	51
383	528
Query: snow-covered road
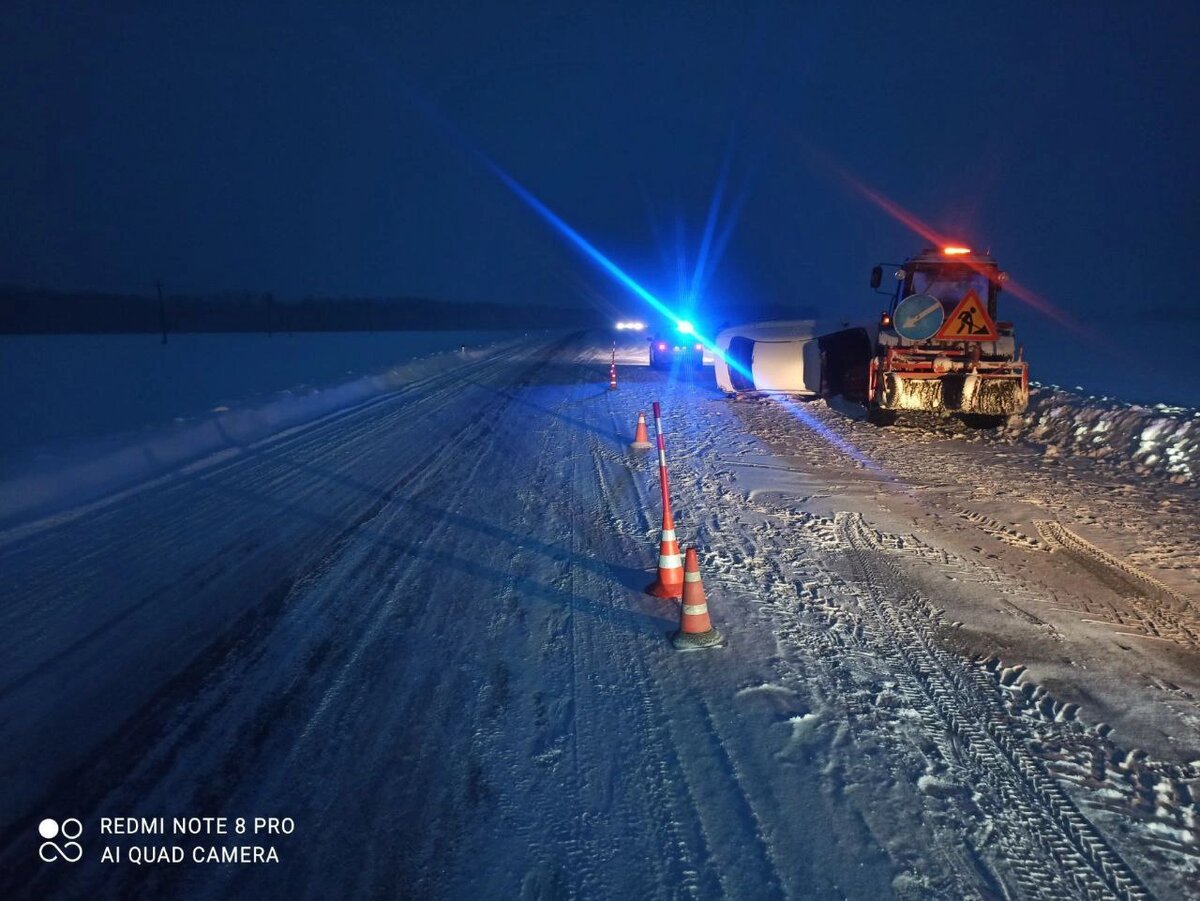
955	668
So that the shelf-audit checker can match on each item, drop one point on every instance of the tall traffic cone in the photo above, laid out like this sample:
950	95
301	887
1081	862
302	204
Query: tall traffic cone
669	583
696	630
641	440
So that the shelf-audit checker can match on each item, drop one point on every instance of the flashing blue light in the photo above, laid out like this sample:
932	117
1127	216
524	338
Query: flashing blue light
682	325
712	244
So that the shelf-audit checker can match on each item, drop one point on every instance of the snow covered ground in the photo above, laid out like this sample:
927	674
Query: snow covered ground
957	665
1159	439
91	414
56	389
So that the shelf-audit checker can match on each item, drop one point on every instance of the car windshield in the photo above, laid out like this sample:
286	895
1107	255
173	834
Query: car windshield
950	284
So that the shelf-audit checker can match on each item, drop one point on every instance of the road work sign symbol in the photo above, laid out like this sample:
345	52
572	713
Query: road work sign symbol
968	322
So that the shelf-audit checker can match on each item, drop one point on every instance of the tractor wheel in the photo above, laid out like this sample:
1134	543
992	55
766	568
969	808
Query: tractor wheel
879	416
983	420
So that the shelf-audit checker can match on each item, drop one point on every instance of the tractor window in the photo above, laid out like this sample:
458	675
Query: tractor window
950	284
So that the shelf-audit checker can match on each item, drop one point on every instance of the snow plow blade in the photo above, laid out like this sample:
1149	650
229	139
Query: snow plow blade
968	393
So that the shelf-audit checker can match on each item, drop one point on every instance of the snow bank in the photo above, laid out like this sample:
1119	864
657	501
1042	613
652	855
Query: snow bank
95	468
1157	440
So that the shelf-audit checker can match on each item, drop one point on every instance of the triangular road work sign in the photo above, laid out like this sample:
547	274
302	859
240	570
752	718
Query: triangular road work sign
968	322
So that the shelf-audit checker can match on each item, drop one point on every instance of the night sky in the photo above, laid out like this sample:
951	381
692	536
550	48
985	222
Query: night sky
313	149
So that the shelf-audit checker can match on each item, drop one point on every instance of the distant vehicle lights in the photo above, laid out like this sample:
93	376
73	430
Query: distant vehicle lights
631	325
954	251
670	349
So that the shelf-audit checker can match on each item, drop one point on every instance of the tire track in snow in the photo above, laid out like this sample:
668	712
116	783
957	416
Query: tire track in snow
755	847
1158	610
659	796
63	571
237	644
426	852
610	686
1091	863
1081	854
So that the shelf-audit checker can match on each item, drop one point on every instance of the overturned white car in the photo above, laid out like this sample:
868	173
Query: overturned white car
801	357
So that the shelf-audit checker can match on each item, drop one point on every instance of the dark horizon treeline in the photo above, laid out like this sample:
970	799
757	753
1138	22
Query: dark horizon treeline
43	311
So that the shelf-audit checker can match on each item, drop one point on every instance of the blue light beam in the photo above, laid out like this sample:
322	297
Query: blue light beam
583	244
454	134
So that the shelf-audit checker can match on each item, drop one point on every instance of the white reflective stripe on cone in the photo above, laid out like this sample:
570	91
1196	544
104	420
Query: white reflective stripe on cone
668	534
669	561
691	577
694	609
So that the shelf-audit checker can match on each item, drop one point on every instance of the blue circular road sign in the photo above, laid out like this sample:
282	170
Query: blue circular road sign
918	317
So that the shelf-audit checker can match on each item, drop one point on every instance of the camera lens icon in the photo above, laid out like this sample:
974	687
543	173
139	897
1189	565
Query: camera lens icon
69	850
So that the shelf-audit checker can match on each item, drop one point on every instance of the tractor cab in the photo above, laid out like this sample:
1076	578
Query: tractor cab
949	275
940	347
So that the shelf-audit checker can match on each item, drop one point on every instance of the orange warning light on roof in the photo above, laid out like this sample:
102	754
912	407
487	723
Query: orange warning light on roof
955	251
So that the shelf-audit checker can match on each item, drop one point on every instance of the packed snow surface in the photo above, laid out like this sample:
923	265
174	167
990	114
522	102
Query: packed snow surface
957	666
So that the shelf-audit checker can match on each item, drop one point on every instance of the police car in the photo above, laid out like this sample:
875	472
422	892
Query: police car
676	346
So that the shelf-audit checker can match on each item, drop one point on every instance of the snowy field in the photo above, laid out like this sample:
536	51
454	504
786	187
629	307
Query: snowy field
959	664
90	414
56	389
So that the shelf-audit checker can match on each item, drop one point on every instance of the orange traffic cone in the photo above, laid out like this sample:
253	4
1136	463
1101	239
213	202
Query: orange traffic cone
669	583
695	628
641	439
